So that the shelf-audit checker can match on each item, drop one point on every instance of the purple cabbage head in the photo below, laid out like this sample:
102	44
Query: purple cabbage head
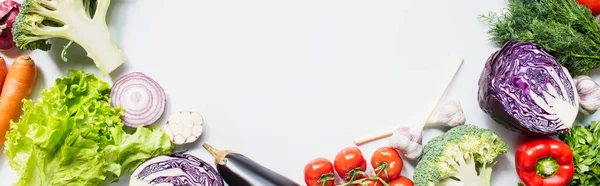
9	10
523	88
176	169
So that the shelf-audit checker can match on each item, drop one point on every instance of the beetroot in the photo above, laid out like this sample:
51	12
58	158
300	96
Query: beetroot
8	13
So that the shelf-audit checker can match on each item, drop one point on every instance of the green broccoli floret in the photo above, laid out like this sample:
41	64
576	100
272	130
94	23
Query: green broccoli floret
80	21
462	156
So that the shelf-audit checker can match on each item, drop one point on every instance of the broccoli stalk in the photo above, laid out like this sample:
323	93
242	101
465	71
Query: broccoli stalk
463	156
81	21
466	172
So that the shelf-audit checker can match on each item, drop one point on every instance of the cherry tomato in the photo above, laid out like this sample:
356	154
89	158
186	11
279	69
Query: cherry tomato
593	5
371	183
387	163
402	181
348	162
319	172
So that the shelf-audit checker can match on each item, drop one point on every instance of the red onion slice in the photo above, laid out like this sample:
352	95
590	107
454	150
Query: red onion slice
184	127
142	99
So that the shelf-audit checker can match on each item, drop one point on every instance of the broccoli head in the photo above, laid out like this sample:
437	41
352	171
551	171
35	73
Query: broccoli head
80	21
462	156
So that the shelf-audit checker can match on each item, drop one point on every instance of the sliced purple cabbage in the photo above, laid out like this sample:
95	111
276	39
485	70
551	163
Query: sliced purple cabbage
523	88
176	169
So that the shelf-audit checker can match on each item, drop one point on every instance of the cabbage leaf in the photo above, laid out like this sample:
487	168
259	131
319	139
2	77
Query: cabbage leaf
73	136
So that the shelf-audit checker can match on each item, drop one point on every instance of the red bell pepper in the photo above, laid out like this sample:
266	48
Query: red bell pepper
544	161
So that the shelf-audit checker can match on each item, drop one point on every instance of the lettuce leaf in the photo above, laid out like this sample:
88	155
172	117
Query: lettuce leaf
73	136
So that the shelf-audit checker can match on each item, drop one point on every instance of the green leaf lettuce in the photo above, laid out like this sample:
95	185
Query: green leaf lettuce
73	136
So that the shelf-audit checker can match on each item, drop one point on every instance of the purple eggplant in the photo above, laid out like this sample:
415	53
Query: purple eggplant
239	170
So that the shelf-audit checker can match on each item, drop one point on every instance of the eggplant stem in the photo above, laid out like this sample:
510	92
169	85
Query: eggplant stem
218	154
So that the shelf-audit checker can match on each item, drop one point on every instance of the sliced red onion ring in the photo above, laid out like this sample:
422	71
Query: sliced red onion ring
142	99
184	127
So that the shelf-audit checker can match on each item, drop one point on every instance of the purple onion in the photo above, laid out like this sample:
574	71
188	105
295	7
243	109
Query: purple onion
142	99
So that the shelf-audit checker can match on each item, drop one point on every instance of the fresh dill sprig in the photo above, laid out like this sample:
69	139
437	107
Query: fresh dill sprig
564	28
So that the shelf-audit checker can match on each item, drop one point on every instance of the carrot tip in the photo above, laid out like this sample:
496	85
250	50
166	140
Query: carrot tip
25	57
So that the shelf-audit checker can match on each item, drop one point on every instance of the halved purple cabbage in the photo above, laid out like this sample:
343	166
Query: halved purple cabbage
176	169
523	88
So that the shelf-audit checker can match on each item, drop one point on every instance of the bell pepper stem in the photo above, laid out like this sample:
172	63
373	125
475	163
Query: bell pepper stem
546	167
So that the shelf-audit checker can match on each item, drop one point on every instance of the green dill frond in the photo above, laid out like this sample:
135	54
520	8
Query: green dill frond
564	28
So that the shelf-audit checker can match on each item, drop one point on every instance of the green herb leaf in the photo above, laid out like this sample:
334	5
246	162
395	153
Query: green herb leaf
584	168
596	170
583	141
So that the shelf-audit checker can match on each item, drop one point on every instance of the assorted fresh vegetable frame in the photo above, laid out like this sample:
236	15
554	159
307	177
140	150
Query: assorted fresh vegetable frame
537	83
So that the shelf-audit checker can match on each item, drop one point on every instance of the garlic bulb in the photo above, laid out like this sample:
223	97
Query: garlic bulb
407	142
589	94
448	115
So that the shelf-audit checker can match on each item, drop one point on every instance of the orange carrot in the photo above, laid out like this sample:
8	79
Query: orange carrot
17	86
3	71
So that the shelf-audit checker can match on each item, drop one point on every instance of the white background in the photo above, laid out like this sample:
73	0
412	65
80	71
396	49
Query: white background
284	82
